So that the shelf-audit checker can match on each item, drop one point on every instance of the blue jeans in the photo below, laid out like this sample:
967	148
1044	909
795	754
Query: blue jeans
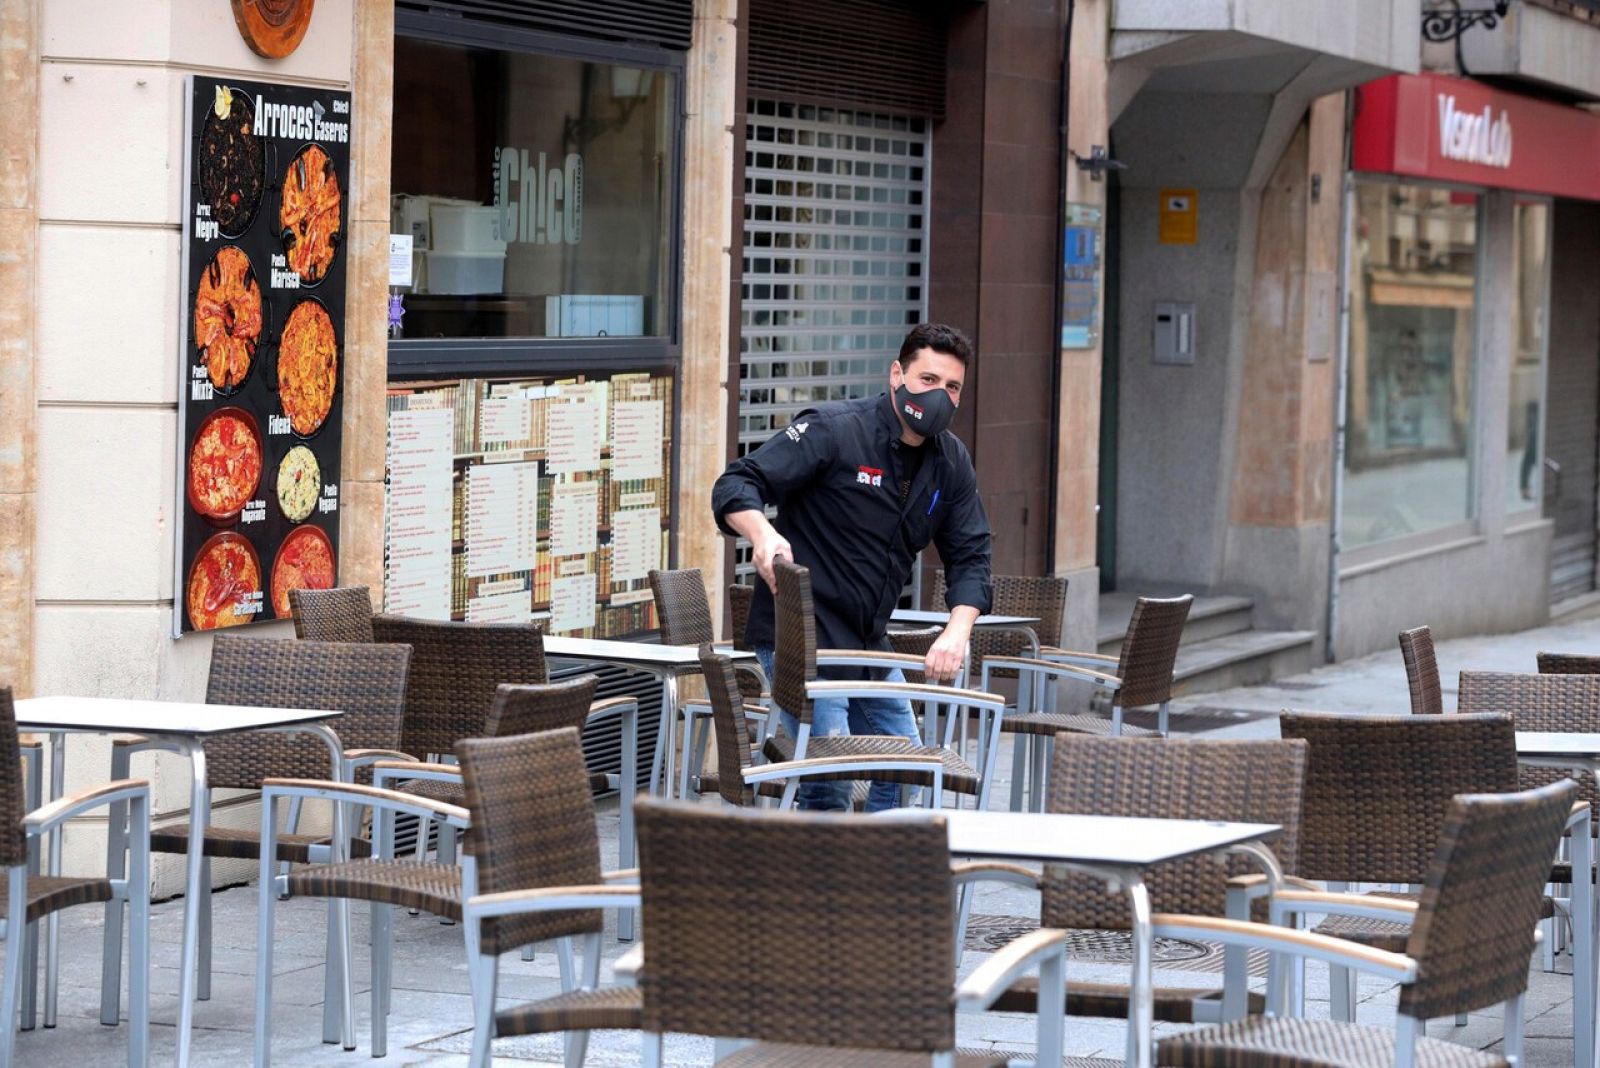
845	716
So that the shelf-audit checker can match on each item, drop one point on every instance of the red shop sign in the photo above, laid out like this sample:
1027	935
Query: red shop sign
1455	130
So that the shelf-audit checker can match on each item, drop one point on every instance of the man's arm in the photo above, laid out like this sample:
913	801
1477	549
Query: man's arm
765	542
949	650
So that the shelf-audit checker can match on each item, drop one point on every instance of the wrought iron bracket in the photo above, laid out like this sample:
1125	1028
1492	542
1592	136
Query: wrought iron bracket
1442	24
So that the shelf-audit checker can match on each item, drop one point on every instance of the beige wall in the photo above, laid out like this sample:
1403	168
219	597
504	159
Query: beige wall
105	400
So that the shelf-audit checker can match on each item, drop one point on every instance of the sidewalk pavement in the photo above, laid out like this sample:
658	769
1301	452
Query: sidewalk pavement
430	1021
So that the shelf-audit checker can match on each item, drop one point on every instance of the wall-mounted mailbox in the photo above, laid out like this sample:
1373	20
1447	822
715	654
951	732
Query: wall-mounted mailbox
1174	333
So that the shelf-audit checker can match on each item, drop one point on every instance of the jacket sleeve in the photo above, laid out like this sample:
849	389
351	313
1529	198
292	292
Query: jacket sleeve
963	542
790	459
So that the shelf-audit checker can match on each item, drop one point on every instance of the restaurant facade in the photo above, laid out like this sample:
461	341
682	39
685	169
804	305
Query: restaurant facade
1293	310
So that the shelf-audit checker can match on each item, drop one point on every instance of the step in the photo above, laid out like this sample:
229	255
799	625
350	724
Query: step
1211	616
1246	658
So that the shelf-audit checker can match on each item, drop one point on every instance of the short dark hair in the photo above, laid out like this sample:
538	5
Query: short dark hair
939	338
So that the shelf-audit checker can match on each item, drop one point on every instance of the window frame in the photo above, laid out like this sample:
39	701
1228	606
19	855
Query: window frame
491	357
1357	559
1518	512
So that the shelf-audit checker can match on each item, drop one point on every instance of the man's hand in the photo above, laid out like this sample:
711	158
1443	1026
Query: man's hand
949	651
765	542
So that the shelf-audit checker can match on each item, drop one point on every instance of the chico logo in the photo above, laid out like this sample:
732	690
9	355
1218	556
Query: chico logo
912	410
869	476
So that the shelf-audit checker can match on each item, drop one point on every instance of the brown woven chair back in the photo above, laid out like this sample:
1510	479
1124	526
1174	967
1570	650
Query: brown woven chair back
1474	930
342	614
1043	597
455	670
682	607
1378	788
1568	664
874	972
1422	671
1556	703
545	706
740	598
13	806
1150	649
1250	782
794	654
367	682
731	728
533	826
915	643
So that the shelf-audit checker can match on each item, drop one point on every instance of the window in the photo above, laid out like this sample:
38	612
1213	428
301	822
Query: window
538	190
1413	287
1530	340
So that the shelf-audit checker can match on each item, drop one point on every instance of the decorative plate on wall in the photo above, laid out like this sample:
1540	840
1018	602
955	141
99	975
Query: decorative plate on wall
272	28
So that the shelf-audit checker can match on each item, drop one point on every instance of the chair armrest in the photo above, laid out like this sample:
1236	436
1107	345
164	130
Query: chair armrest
844	765
550	899
868	658
911	691
626	971
1046	667
623	876
1256	884
138	743
995	975
57	812
1067	656
611	706
997	871
413	769
1396	967
354	793
361	757
1370	907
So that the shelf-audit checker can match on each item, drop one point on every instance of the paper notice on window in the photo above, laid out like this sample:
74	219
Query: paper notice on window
574	519
418	504
505	421
635	544
572	600
637	431
573	436
513	607
502	518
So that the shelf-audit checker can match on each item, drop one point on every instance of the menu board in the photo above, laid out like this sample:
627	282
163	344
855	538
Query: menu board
266	184
556	505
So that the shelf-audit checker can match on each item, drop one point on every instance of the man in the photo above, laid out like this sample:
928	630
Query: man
861	487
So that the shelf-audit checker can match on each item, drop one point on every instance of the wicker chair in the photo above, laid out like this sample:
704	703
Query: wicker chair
1041	597
685	616
1422	671
365	682
740	598
1140	676
1377	791
1473	931
795	685
530	825
1560	703
1568	664
30	897
1249	781
874	985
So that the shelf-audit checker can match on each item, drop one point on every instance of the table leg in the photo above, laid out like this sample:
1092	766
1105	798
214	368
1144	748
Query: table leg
630	787
52	936
667	737
1141	993
199	818
1583	956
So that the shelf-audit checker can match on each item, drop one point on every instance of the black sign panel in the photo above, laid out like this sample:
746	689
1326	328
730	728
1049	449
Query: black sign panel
266	193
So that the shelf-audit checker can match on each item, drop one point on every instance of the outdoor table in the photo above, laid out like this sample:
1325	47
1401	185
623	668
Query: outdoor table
1117	849
922	618
184	727
1574	752
667	663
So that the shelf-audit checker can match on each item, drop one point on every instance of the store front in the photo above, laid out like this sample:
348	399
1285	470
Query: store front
1454	209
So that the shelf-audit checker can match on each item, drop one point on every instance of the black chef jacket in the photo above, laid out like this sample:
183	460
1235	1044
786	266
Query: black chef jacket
834	475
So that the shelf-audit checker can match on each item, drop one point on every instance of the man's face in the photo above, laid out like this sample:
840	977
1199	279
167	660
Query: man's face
927	369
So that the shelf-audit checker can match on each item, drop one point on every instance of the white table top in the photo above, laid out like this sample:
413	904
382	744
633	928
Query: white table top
917	615
1108	841
639	654
1558	744
118	714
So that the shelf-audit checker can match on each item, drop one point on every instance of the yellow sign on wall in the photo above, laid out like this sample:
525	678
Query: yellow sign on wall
1180	216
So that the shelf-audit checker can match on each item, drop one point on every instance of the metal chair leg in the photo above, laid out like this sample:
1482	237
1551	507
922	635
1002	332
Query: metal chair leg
203	963
116	859
266	906
1019	769
17	898
577	1043
1341	993
484	969
382	964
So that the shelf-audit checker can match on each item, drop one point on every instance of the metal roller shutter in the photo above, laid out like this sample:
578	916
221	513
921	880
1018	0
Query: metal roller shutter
1574	396
665	23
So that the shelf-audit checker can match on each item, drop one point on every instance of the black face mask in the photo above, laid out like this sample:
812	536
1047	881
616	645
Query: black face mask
928	413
